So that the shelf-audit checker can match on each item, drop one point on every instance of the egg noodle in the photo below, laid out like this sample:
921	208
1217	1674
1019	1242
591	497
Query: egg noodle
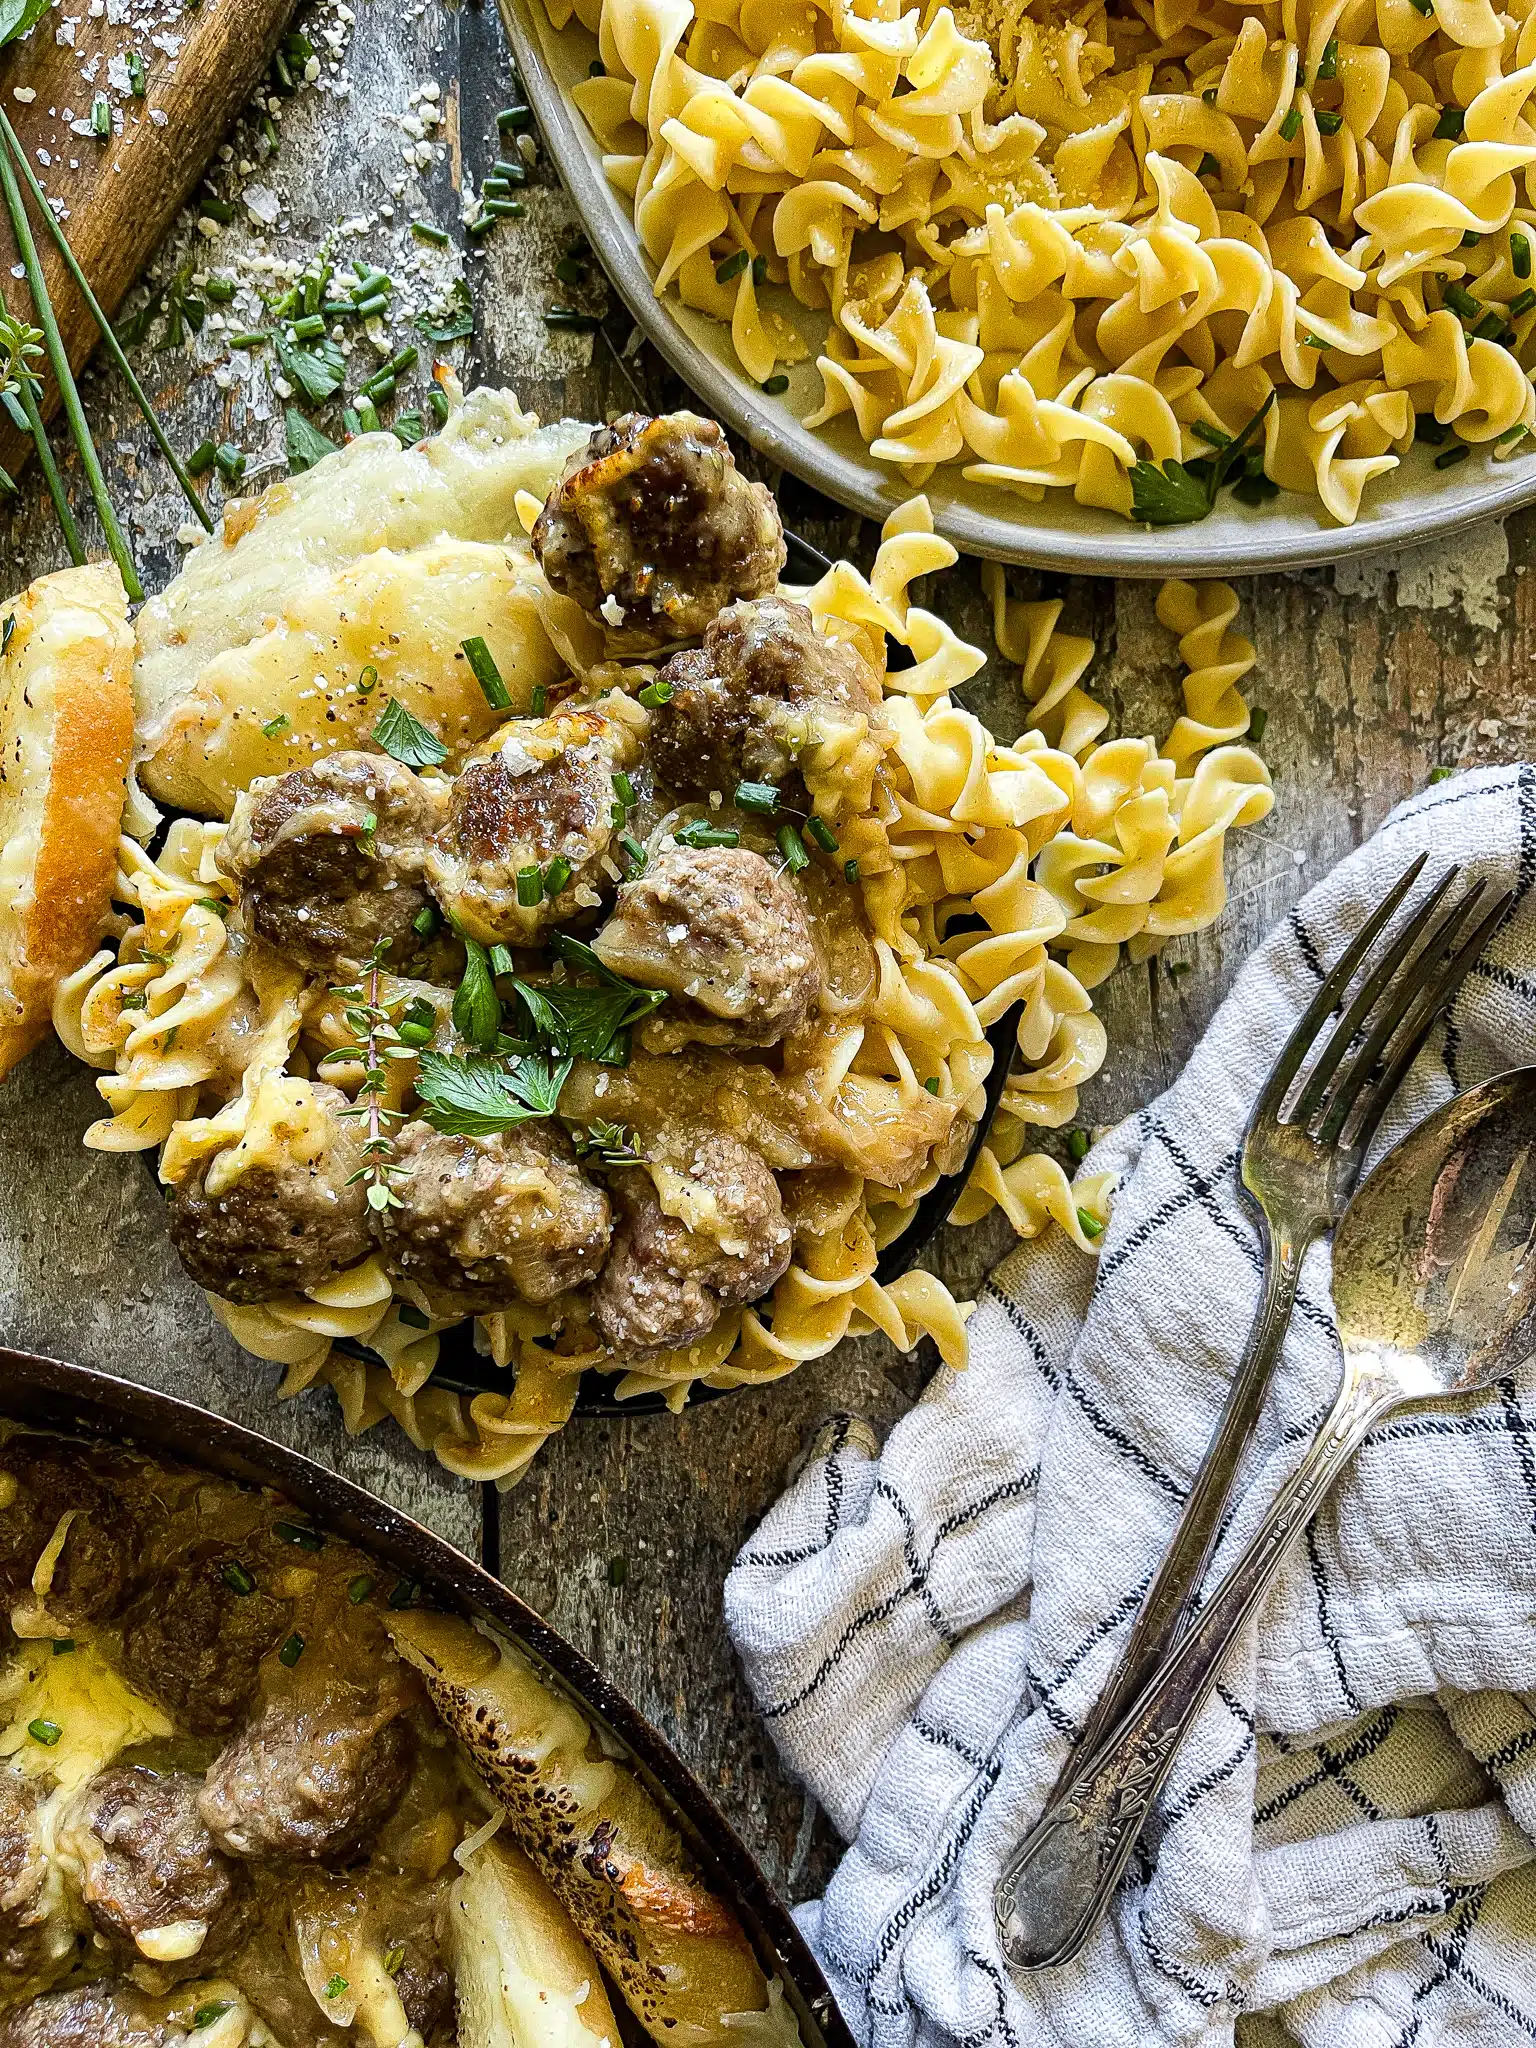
990	875
1053	242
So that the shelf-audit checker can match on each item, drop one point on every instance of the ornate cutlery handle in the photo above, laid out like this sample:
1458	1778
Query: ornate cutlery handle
1054	1890
1166	1608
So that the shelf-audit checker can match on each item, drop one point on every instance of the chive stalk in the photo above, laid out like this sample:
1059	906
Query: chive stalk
109	338
50	469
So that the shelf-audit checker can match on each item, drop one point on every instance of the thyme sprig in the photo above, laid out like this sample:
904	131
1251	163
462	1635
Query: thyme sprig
377	1043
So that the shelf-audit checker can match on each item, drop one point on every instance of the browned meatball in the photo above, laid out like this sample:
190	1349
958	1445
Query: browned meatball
278	1229
329	859
23	1868
42	1481
764	686
318	1772
149	1868
539	790
653	529
425	1983
720	1240
486	1222
102	2015
195	1643
717	928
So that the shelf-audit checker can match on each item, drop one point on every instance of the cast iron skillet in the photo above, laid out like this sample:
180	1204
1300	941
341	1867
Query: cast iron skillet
47	1393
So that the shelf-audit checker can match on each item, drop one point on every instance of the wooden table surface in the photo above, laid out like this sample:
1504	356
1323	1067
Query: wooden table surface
1370	681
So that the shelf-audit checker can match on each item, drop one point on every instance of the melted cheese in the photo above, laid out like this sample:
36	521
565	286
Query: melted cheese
97	1712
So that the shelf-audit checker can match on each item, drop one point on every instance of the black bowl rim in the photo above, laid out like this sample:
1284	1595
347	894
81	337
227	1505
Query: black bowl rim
51	1393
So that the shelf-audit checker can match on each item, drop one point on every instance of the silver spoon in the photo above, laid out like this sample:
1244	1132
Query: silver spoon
1434	1287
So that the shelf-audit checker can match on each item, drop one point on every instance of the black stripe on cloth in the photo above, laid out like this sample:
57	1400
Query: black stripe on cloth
1520	1437
917	1571
1450	800
1040	1696
1463	1971
841	1425
1172	1815
1110	1431
1104	1626
915	1583
1235	1707
1335	1764
994	1977
1203	1994
944	1738
938	1876
1307	945
1442	1952
1511	1752
1325	1622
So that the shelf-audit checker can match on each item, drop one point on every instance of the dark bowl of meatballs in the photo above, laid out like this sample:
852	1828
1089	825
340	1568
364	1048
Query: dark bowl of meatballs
277	1765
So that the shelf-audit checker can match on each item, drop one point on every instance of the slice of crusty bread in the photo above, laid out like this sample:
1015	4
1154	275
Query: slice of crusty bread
66	739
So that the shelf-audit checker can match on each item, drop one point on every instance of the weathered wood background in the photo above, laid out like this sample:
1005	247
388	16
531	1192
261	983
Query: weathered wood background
1369	682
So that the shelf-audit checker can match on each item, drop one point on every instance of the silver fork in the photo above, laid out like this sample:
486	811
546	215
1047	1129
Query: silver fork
1300	1163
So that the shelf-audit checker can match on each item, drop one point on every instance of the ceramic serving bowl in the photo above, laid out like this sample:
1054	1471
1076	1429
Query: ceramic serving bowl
1414	504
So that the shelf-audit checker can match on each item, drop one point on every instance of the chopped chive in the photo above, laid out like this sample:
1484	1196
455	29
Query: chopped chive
793	849
45	1732
1462	303
511	119
292	1650
231	461
367	681
1520	255
1510	435
634	852
1522	303
211	208
359	1589
409	428
135	999
530	887
1449	457
367	416
251	337
760	797
658	692
437	400
1290	127
413	1317
63	1646
501	960
310	328
298	1535
486	673
215	2009
1470	239
819	830
407	1592
624	789
1208	166
212	903
220	289
1078	1144
237	1578
776	384
567	269
556	875
424	923
559	316
101	116
335	1986
1328	63
380	388
759	269
1490	327
1089	1224
1440	775
932	1084
1258	722
698	834
512	169
1328	123
1450	125
369	308
850	871
538	703
200	461
732	267
1424	7
429	231
136	74
1212	436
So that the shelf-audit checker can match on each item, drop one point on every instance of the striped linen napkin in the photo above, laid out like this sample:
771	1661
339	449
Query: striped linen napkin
1345	1854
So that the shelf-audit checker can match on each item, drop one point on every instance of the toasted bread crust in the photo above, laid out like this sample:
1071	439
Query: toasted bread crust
87	747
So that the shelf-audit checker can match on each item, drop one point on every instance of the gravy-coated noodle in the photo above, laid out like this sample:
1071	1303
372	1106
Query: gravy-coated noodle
746	914
1047	246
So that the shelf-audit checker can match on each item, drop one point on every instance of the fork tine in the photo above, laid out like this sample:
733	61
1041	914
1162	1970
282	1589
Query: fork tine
1423	978
1419	1026
1326	1001
1353	1021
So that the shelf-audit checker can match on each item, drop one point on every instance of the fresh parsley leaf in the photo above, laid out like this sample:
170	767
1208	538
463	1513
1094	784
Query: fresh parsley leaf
589	1023
456	325
17	16
476	1005
406	739
318	368
306	444
475	1097
1179	493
